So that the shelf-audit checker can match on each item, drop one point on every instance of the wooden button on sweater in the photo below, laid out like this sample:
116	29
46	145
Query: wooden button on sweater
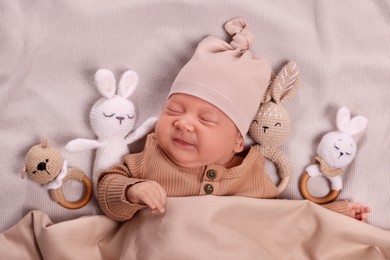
211	174
208	188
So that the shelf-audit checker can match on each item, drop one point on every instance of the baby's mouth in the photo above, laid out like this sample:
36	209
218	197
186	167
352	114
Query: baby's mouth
182	142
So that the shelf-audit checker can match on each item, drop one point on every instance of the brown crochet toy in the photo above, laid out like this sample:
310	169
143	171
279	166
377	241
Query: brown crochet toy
45	165
271	125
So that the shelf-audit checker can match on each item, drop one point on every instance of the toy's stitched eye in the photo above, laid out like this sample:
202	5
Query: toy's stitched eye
335	147
130	117
347	153
108	115
34	172
278	124
255	121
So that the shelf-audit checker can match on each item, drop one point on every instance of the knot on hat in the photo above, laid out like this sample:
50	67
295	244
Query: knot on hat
242	37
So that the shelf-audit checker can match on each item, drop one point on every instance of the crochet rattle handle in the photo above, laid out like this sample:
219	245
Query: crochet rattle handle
283	184
281	162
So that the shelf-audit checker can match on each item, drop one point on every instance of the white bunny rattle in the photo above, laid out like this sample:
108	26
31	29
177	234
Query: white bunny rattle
335	151
112	118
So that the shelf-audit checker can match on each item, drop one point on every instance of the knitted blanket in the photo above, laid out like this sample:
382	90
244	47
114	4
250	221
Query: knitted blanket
206	227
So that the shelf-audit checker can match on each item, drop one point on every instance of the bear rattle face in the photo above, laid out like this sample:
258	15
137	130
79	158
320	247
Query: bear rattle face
43	163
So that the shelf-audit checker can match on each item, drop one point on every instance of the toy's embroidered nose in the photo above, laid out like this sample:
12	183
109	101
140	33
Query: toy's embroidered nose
41	166
265	128
120	118
341	154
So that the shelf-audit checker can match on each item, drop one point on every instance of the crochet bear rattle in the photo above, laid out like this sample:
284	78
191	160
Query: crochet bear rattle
112	119
335	151
45	165
271	125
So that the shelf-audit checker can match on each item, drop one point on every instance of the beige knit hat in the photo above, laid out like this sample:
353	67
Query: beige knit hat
228	76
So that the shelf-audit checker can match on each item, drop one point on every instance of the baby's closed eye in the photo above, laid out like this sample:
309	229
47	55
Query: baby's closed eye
174	110
208	118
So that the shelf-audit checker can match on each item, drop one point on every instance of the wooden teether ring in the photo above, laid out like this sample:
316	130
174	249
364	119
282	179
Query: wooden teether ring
331	196
73	174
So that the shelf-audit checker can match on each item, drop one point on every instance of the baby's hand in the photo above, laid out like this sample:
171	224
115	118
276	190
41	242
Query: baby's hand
358	211
148	192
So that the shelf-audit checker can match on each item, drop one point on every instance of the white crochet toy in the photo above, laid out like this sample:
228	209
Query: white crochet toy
112	118
335	151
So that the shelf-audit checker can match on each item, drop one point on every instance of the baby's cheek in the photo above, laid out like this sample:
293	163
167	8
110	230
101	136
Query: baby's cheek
158	129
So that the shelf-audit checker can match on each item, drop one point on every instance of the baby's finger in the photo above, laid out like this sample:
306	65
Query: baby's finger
160	204
161	195
149	201
155	201
367	209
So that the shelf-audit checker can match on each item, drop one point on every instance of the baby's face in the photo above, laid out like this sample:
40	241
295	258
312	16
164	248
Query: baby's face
194	133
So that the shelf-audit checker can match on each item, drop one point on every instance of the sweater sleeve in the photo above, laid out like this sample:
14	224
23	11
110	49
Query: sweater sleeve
338	206
111	195
112	186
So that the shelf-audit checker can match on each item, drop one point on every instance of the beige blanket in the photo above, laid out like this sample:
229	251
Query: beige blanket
202	228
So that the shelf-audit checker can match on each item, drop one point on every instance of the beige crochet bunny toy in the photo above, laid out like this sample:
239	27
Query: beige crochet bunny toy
271	125
45	165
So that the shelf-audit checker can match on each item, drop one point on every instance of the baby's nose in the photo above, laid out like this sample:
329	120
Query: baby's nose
184	125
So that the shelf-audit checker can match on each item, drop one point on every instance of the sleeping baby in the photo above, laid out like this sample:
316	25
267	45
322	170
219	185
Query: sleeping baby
197	147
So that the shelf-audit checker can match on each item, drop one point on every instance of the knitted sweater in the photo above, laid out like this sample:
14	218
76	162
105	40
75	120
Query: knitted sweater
247	179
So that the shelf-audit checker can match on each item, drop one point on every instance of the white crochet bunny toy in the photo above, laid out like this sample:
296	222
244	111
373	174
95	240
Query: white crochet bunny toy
335	151
271	125
112	118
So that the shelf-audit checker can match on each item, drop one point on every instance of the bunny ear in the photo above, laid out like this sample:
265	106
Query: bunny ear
267	95
105	82
358	124
286	83
348	126
127	84
343	119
